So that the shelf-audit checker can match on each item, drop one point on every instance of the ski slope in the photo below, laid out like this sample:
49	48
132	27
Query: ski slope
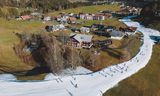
94	84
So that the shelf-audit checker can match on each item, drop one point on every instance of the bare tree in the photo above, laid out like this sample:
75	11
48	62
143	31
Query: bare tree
50	52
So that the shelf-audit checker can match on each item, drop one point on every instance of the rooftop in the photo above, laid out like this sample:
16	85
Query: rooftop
83	38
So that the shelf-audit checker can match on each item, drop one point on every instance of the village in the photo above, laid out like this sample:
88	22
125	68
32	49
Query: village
89	34
79	48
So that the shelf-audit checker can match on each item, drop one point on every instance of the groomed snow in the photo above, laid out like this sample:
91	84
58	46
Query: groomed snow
69	72
94	84
7	77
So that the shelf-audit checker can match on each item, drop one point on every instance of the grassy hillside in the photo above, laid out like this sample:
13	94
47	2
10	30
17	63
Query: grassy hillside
9	62
89	9
107	22
155	25
144	83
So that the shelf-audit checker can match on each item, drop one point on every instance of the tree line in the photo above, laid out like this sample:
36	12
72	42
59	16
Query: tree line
43	5
12	12
148	15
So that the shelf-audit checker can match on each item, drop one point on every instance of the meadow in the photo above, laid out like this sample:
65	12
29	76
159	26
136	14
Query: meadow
144	83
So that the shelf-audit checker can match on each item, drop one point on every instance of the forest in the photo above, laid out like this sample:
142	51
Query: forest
150	15
43	5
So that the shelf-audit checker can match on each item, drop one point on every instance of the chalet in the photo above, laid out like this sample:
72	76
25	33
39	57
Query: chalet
89	17
85	16
36	14
93	16
85	29
98	26
58	27
48	18
110	28
76	16
108	15
55	28
63	20
102	43
130	30
71	14
57	18
99	17
24	17
71	20
65	16
115	34
102	33
134	10
107	28
82	16
132	24
81	41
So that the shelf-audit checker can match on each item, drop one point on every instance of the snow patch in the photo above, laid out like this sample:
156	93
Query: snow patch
7	77
78	71
68	72
50	76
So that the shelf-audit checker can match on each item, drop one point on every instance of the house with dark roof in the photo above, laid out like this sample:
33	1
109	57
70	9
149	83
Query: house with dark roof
55	28
116	34
102	33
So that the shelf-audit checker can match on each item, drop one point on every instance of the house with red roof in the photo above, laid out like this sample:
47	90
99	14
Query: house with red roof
26	17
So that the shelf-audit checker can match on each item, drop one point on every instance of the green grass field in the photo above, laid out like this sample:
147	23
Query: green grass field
145	83
107	22
89	9
9	62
